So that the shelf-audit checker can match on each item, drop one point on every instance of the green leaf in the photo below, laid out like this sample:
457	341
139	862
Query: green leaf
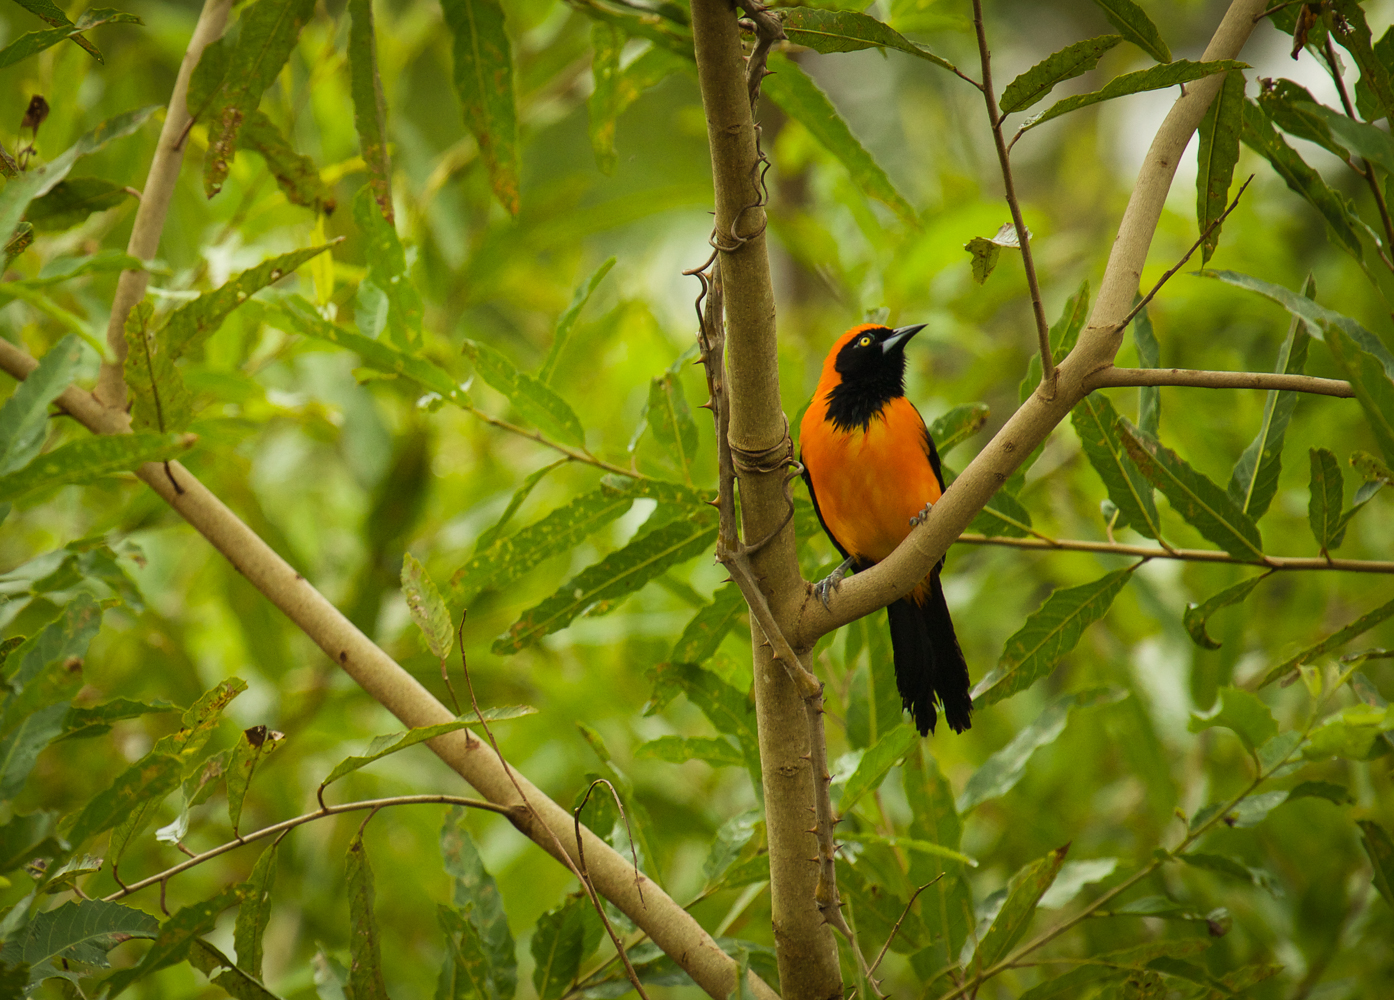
1049	633
159	397
600	587
1025	891
1225	865
477	898
1335	640
1364	140
79	931
24	416
888	751
1217	154
51	13
565	937
729	711
1243	713
224	973
670	420
1293	109
1378	845
1328	790
731	840
534	400
1196	616
1070	62
1200	502
38	181
1137	27
27	836
194	322
466	973
254	912
388	280
253	745
718	751
427	607
383	746
72	201
175	937
296	175
566	323
702	636
925	847
1352	735
491	534
1373	386
1004	516
33	42
1074	982
267	33
1350	28
1096	422
985	250
1073	877
602	107
802	100
369	108
1327	499
1259	135
1158	77
484	82
147	780
951	429
1000	773
365	949
849	31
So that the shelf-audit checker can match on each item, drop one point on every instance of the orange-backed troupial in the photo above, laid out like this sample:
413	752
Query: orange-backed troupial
872	471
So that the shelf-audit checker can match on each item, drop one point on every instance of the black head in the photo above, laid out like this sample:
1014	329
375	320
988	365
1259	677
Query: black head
871	364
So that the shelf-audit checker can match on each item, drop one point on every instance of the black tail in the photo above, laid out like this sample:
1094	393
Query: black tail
929	666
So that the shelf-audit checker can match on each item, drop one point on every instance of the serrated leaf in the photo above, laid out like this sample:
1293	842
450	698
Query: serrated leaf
1196	616
70	202
1374	389
714	750
477	899
369	108
1259	135
1000	773
383	746
802	100
951	429
702	636
1026	889
33	42
670	420
876	763
254	912
175	937
254	744
602	585
483	76
267	33
1070	62
1096	422
537	403
849	31
159	397
1169	74
1380	848
296	175
1200	502
1137	27
79	931
565	937
1216	156
566	323
24	416
1327	498
365	980
1241	712
427	607
602	107
38	181
1049	633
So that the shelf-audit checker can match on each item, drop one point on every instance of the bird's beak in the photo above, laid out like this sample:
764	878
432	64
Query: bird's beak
899	337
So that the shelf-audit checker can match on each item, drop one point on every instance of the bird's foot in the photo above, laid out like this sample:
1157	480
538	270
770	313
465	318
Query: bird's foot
922	516
825	587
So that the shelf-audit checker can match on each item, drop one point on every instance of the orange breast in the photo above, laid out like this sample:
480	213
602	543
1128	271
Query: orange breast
869	484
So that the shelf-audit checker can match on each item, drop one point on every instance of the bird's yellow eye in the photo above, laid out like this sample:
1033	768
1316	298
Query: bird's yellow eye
864	342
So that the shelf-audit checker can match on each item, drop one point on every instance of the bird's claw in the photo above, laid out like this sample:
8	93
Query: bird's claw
825	587
922	516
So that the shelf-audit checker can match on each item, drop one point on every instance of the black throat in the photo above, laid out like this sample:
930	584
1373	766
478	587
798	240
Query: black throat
862	395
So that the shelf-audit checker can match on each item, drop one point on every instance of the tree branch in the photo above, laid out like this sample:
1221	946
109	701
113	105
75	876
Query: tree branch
154	202
1113	378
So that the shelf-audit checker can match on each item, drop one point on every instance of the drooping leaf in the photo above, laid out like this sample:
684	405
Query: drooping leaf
465	974
388	282
958	425
483	77
70	202
1025	891
267	34
24	416
1292	108
33	42
1137	27
1096	422
986	249
1327	498
1350	28
703	634
365	947
1070	62
369	108
1073	877
802	100
175	937
252	746
877	761
79	931
477	899
607	41
427	607
1374	388
1243	713
1333	641
51	13
566	323
874	705
491	534
146	781
1380	848
254	912
1216	156
601	586
296	175
1001	772
89	459
159	397
849	31
1202	504
670	420
383	746
718	751
1196	616
1049	633
1328	790
564	938
224	973
538	404
1158	77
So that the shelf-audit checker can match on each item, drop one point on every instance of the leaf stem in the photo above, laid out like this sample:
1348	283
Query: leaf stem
575	454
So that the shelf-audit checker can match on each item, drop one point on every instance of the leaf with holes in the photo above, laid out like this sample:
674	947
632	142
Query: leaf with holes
252	746
296	175
80	931
159	397
365	947
483	77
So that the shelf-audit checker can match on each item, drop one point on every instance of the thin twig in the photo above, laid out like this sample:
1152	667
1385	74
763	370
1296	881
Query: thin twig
1274	10
1112	378
1369	172
903	913
585	874
290	824
994	117
575	454
1215	224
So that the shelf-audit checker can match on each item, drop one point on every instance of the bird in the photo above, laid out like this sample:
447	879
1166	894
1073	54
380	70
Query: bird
873	474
